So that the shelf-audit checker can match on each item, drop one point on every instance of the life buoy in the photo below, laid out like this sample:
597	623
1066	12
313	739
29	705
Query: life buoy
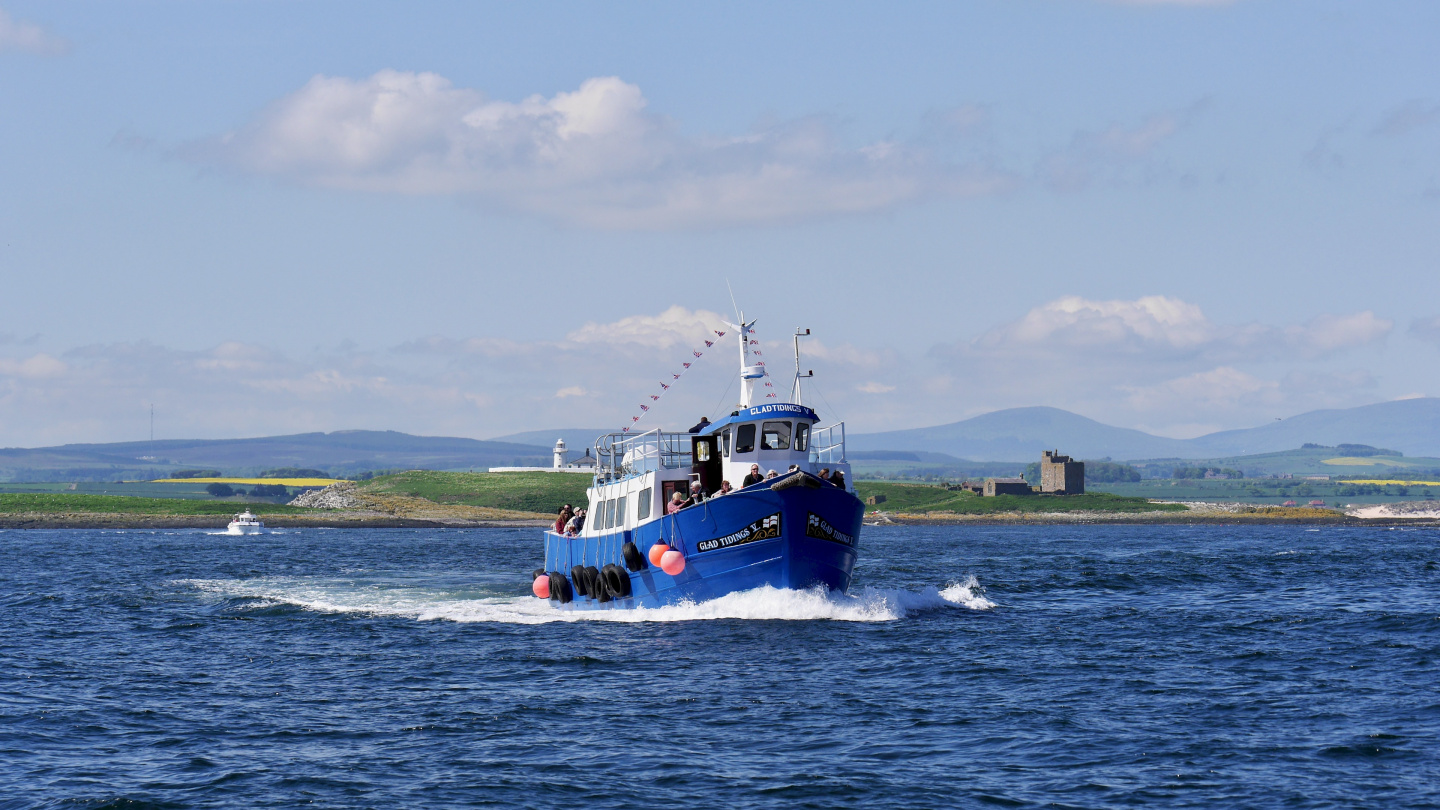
617	579
634	560
577	575
560	588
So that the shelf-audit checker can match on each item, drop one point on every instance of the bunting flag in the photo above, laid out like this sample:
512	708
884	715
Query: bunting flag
664	387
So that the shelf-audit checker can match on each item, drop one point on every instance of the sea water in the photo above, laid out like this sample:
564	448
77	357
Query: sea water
1063	666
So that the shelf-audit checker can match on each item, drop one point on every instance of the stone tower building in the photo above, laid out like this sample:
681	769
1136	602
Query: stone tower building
1059	475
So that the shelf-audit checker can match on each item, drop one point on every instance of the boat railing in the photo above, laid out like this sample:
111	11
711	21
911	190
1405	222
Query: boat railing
621	454
827	444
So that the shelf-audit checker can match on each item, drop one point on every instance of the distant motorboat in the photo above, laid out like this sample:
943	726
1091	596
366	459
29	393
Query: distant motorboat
246	523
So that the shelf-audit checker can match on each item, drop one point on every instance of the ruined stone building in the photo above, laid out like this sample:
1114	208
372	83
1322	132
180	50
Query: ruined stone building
1060	475
1006	486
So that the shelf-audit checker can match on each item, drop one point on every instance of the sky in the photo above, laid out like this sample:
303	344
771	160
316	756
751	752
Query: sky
474	219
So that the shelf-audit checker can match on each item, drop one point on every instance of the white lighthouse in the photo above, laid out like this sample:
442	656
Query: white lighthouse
560	454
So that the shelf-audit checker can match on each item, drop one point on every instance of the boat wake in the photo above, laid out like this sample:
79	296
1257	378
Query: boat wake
376	597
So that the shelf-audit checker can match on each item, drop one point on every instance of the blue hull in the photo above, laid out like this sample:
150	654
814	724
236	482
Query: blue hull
796	537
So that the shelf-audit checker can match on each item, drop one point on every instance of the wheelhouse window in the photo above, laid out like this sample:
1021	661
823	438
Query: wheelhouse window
620	512
744	439
702	451
802	436
643	508
775	436
610	513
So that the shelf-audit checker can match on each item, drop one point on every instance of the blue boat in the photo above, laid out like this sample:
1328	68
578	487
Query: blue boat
661	527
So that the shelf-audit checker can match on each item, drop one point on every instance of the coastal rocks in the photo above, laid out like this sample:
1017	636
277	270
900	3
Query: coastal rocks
335	496
1424	510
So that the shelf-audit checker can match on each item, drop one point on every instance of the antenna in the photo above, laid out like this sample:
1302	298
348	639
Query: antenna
795	389
733	305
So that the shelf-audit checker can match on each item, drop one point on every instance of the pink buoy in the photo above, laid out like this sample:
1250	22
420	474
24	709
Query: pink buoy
672	562
656	552
541	587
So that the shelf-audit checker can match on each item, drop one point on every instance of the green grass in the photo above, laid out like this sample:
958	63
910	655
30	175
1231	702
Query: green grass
921	498
1269	491
524	492
74	502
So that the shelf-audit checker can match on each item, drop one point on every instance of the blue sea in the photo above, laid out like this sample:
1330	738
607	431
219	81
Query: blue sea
1074	666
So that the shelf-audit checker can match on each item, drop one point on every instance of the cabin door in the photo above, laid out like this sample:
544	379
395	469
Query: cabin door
706	452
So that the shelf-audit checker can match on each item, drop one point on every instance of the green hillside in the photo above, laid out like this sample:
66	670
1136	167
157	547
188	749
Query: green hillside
925	498
524	492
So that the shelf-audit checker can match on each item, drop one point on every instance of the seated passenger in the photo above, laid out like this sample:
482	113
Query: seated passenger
838	479
562	519
753	478
724	489
824	474
793	468
677	502
771	474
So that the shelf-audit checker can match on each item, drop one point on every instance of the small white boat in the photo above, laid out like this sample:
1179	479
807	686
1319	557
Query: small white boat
246	523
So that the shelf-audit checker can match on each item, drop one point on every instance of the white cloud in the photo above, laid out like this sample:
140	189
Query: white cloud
570	391
1113	153
596	156
1167	328
874	388
28	37
34	367
676	326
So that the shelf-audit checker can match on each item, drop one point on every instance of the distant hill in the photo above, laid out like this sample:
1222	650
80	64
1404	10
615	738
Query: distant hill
340	453
1020	434
576	439
1411	426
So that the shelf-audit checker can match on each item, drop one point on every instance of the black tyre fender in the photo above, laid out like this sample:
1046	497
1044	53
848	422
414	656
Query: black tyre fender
617	579
634	560
592	580
537	573
560	588
577	575
599	591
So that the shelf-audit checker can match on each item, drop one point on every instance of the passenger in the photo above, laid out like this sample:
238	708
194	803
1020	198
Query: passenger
825	474
724	489
562	519
793	468
677	502
753	478
579	520
838	479
771	474
704	423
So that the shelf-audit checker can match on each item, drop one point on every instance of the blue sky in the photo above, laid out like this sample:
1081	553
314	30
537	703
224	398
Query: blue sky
474	219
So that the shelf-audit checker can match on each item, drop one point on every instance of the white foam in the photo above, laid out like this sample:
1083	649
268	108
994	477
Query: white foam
765	603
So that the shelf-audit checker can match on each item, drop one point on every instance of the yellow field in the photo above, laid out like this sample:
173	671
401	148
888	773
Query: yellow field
1383	482
289	482
1366	461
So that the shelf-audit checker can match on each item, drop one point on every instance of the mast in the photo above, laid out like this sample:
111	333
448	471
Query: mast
749	371
795	389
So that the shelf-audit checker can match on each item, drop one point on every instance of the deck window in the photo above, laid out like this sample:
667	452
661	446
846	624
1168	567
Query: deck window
802	436
745	439
643	508
620	511
610	513
775	436
725	442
